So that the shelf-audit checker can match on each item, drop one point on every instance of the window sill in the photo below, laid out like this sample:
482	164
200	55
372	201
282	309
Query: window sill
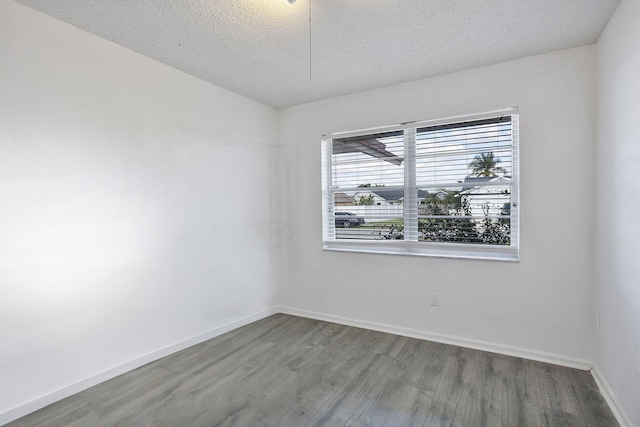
440	250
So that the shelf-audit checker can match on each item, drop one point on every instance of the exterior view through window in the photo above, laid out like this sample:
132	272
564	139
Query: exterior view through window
442	187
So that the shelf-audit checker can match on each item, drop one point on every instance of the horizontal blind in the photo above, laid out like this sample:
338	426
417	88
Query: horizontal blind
465	171
367	172
444	152
442	182
368	161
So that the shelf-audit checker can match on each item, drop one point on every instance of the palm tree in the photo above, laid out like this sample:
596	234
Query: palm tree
485	164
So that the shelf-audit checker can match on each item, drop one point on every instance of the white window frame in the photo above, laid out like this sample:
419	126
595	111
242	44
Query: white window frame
410	245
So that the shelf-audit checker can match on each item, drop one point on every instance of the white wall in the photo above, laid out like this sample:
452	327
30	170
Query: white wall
114	244
113	169
618	156
544	303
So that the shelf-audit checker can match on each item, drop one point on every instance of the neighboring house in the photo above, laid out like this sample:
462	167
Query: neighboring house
487	200
377	200
440	194
427	207
392	196
343	199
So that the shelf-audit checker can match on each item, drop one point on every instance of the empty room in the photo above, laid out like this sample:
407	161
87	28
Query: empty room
319	213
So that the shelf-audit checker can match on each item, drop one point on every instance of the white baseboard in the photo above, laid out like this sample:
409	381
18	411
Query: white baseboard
71	389
611	399
508	350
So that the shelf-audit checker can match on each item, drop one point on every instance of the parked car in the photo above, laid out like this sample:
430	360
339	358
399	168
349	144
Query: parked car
347	219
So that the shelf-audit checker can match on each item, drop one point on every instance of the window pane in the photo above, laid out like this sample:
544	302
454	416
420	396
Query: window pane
368	161
478	214
463	172
369	214
449	154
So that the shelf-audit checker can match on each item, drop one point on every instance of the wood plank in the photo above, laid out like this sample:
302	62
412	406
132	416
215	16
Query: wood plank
291	371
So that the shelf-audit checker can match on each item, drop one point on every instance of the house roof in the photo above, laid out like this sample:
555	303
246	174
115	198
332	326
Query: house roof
369	144
471	182
395	194
343	199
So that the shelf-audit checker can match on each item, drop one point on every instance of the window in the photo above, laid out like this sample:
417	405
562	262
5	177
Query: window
441	187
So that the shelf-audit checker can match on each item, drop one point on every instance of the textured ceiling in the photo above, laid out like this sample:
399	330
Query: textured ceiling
263	49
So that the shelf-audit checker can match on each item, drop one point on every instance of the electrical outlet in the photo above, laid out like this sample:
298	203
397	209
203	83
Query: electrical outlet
434	299
598	319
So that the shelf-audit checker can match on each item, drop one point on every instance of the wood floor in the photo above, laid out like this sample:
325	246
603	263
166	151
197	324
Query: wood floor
292	371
